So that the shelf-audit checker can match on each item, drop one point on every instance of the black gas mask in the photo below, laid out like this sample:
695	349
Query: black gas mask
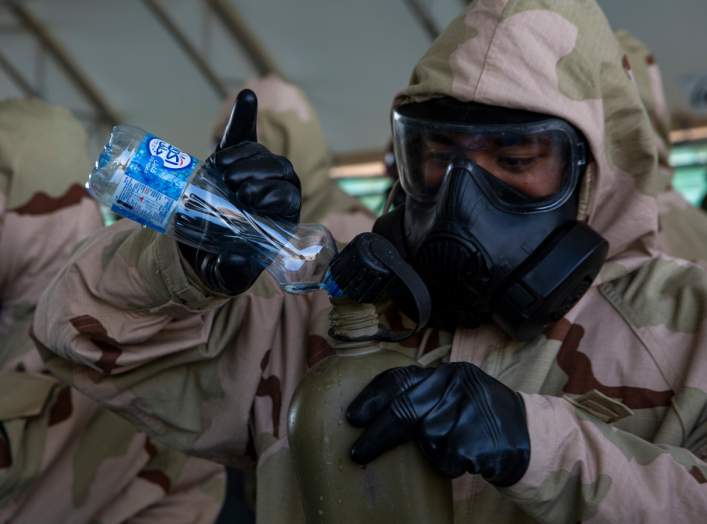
489	220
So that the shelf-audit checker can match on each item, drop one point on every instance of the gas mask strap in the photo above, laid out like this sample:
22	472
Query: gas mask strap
391	196
365	270
585	192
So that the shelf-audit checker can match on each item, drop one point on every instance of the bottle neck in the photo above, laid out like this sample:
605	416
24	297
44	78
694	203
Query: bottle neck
348	319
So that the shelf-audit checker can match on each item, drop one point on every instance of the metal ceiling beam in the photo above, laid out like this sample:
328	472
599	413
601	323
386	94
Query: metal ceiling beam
155	6
17	78
245	37
424	17
70	67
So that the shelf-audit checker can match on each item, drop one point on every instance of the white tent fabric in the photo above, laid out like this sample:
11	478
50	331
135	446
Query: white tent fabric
350	57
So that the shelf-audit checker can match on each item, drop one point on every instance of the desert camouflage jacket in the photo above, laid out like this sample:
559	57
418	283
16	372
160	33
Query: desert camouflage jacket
62	457
615	392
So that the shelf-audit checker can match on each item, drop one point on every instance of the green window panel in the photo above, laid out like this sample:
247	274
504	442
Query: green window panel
690	164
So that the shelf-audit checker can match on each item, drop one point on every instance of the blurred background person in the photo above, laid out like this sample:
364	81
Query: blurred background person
394	196
682	227
62	458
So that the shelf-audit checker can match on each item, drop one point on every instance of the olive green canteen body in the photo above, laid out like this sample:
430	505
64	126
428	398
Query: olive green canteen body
398	487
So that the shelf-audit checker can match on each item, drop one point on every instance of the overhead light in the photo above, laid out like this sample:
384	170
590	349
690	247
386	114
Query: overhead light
358	170
688	135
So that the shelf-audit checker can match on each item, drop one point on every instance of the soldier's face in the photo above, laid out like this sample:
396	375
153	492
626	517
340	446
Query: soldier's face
532	165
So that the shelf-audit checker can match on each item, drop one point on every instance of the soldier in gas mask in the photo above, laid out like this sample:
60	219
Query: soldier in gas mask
573	387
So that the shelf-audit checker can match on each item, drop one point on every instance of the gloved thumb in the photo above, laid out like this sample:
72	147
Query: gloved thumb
241	126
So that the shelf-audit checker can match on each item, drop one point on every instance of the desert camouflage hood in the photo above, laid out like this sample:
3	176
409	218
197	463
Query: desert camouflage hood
546	56
647	76
289	126
26	168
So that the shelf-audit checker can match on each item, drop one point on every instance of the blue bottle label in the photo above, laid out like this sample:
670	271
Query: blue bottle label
153	181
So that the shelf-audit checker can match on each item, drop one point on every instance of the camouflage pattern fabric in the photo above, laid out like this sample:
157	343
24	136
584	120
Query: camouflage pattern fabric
288	125
682	227
62	457
615	393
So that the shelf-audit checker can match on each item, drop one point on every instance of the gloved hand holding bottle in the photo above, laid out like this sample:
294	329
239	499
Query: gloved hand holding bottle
233	215
463	420
258	182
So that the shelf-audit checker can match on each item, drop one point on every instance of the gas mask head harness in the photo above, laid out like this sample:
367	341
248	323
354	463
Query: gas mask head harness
489	220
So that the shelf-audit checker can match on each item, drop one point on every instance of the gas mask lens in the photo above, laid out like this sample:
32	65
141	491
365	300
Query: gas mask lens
522	165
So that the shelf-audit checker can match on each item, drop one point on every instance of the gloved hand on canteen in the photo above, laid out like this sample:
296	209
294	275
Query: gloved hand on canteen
462	419
259	182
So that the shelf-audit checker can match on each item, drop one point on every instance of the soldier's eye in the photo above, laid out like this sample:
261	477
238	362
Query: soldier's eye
516	163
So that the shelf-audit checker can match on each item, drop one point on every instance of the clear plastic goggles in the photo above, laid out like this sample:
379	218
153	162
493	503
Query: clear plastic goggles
529	166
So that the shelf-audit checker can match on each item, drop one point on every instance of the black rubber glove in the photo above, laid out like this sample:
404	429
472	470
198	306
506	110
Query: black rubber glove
462	419
259	182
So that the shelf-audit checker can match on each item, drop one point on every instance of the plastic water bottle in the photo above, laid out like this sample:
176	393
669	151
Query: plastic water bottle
141	177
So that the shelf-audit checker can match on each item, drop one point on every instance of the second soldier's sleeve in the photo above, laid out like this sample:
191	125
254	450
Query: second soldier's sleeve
129	325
